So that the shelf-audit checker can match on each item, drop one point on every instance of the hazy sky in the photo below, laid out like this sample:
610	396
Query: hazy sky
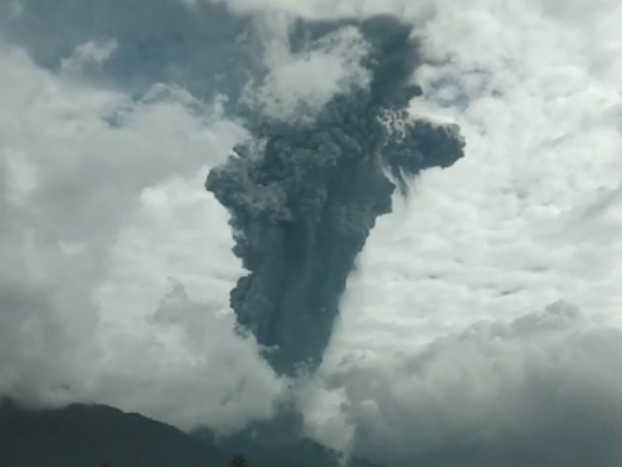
485	308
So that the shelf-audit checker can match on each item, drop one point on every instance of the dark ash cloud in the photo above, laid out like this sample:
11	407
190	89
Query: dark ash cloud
304	196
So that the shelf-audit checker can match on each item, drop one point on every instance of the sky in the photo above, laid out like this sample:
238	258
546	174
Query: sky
485	307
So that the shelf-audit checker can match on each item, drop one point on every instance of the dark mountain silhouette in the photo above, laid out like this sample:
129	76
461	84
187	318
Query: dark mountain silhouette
96	435
92	435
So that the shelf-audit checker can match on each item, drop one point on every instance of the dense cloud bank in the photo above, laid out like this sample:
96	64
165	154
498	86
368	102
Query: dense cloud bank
540	390
305	193
87	169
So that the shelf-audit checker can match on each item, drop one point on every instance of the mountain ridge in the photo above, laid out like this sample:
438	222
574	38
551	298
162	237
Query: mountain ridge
83	435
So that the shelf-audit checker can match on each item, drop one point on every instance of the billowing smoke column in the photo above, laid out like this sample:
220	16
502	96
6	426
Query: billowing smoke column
303	198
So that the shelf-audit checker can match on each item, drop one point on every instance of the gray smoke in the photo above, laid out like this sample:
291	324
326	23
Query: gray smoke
304	197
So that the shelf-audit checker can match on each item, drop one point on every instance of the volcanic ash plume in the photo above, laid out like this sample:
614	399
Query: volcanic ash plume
304	194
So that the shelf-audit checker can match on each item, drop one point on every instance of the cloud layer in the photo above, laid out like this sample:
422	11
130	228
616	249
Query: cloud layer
102	203
95	185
